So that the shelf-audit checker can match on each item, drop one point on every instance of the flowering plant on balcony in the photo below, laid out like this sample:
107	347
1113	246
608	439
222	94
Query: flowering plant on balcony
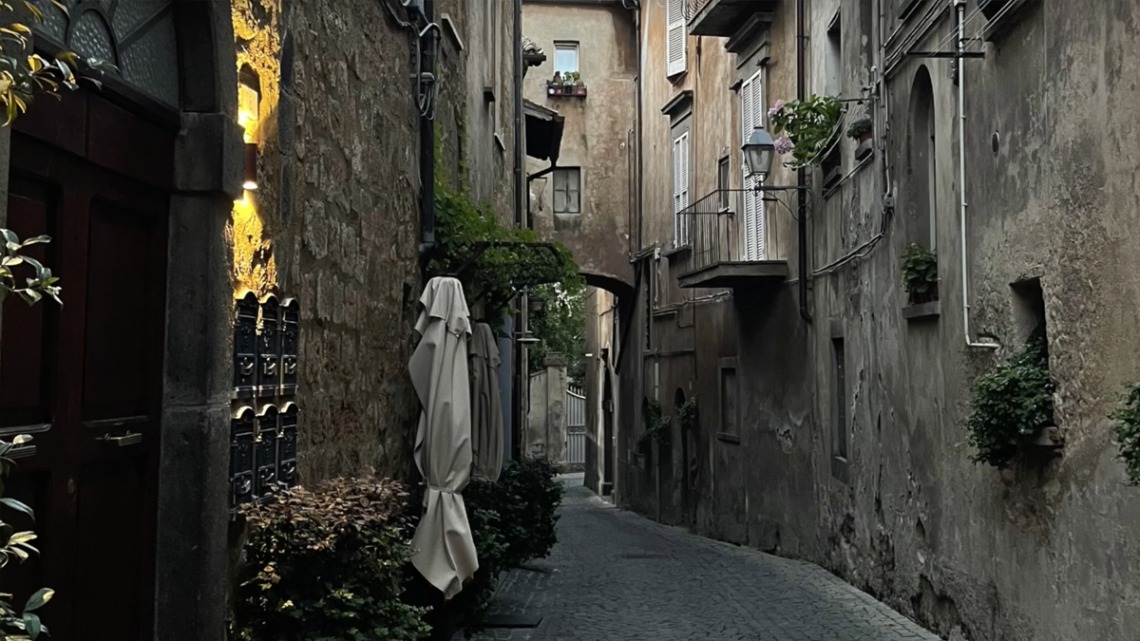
809	127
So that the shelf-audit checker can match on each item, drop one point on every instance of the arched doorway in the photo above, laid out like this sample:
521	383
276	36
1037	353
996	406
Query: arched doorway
127	375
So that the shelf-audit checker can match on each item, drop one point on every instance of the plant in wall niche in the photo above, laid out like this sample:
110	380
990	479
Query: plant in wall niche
1010	405
1127	432
657	426
920	274
687	415
811	126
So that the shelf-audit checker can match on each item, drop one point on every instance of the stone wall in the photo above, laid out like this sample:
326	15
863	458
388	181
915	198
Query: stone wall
335	220
597	137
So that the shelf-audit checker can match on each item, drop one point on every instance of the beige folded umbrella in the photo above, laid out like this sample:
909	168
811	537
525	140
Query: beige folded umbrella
486	405
445	551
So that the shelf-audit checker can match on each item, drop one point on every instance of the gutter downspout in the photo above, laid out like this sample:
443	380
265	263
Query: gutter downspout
963	205
522	375
638	27
427	148
801	174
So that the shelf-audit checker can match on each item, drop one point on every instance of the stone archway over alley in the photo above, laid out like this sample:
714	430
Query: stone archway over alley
617	576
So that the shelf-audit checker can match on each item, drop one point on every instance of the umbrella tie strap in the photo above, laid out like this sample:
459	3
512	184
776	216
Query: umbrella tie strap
442	490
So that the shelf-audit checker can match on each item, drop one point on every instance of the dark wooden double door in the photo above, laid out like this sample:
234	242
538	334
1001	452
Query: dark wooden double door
86	379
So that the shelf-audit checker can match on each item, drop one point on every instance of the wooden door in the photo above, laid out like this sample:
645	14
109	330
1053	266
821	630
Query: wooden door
86	379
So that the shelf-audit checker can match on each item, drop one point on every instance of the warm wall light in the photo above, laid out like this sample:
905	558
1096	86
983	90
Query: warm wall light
250	179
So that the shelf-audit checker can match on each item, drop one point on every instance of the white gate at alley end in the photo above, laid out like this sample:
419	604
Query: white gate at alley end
575	450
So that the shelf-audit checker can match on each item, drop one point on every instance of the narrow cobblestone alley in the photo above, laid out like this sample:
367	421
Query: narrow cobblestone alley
615	576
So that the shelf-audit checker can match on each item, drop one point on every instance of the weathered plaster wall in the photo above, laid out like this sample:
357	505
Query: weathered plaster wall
335	221
1040	552
598	131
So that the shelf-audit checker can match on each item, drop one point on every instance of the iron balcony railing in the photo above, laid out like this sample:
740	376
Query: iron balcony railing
714	231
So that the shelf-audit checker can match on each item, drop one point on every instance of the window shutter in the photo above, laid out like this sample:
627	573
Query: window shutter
675	38
680	189
752	224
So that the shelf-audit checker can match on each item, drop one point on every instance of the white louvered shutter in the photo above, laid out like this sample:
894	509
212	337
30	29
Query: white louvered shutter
680	189
675	38
752	228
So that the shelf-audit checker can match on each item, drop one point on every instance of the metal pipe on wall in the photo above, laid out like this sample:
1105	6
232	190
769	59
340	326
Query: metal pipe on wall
801	174
427	147
963	205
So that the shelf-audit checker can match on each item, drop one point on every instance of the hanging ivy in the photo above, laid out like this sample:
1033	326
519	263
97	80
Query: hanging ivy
495	262
809	128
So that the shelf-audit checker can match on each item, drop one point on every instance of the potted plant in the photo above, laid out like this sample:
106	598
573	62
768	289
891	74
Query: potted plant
862	131
554	85
811	127
920	274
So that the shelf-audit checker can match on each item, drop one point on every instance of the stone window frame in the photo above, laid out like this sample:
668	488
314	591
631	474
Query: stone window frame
728	432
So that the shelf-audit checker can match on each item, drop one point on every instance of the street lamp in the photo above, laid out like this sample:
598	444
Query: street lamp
759	150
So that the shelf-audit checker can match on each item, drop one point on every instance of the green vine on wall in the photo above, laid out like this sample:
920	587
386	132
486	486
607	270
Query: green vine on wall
809	128
657	425
1127	432
1011	404
687	415
494	261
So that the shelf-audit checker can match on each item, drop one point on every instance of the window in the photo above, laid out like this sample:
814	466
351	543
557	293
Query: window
567	190
729	405
834	56
675	32
722	185
565	57
922	169
752	223
680	189
839	398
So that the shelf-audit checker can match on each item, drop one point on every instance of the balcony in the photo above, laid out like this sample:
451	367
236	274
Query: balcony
724	18
717	259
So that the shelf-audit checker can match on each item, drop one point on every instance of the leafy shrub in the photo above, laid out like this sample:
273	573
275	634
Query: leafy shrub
525	499
658	428
16	624
1127	432
920	273
328	565
1011	404
687	415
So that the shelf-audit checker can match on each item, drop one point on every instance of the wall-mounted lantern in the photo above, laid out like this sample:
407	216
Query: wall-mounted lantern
249	113
759	150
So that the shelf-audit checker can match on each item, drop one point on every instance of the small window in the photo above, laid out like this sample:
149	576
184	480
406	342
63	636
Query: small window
565	57
567	190
839	398
729	402
722	183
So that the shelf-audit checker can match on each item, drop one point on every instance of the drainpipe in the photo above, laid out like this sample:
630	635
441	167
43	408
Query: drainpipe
427	144
801	174
960	5
640	131
522	380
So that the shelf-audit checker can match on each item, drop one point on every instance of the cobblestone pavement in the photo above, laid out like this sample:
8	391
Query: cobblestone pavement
615	576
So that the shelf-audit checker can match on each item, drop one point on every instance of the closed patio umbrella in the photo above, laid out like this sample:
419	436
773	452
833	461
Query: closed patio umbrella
486	405
445	551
